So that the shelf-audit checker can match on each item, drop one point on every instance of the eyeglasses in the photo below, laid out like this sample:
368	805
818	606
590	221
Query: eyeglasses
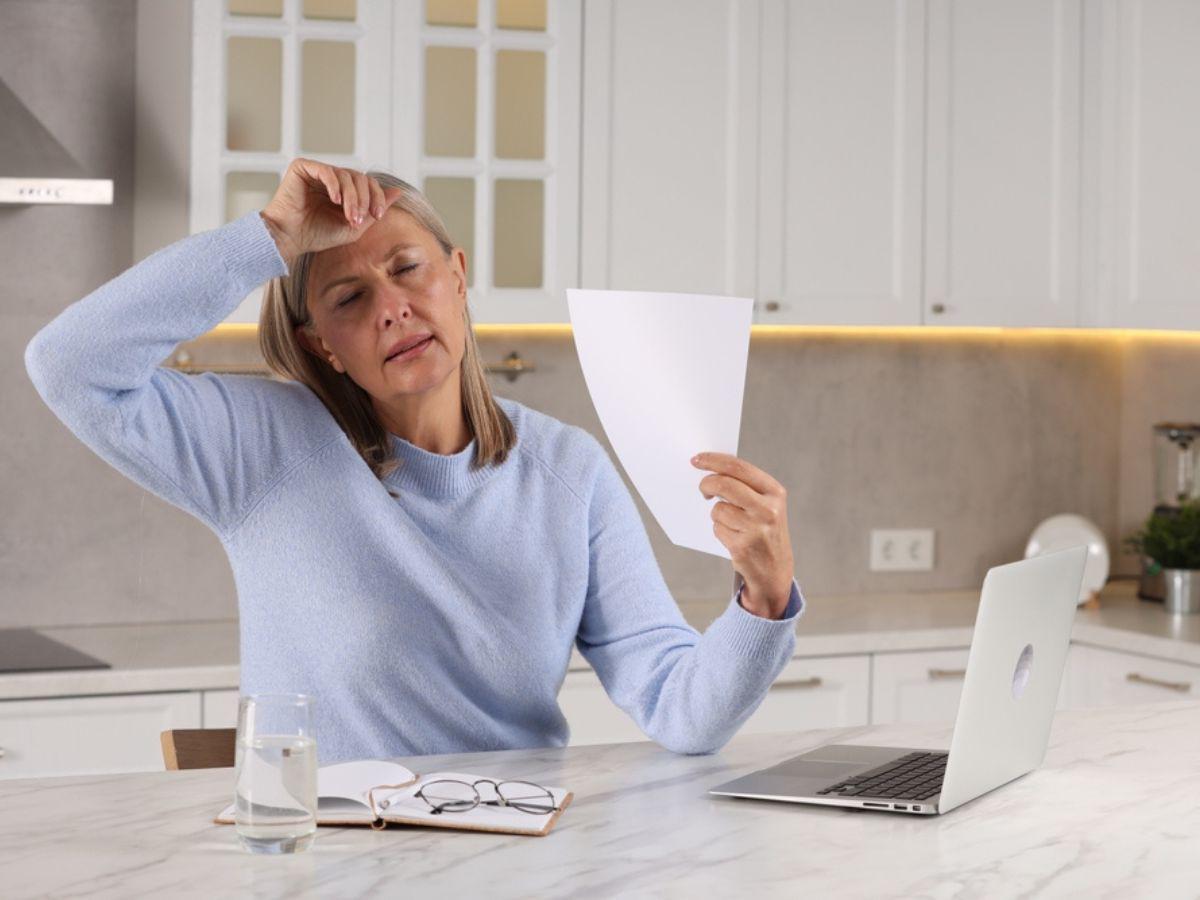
447	795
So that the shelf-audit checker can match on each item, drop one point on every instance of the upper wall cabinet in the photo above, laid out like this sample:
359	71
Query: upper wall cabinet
1147	270
920	162
841	162
1002	163
476	102
670	119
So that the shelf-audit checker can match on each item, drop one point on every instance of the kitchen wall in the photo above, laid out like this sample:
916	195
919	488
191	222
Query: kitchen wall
979	435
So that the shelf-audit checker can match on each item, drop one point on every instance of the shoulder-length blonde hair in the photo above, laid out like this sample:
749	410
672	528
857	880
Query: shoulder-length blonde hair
285	306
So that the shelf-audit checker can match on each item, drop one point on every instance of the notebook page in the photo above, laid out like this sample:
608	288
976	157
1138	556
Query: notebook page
403	804
342	787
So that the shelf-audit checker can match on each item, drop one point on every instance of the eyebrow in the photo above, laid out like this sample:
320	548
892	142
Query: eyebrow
396	249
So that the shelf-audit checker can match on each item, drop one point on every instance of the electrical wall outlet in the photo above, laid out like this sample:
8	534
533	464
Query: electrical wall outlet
901	550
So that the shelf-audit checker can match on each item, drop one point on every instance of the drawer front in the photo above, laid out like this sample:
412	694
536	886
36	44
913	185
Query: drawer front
593	717
926	686
818	692
91	735
922	686
221	709
1113	678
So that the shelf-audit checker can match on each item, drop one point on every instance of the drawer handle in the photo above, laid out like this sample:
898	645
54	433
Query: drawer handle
814	681
946	674
1182	686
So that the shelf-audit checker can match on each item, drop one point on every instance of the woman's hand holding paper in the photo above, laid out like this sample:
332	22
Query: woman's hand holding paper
751	521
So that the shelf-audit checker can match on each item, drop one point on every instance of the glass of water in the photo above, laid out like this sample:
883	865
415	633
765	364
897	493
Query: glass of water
275	785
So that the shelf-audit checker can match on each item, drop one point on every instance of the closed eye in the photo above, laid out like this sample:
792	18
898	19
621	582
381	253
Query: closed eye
353	296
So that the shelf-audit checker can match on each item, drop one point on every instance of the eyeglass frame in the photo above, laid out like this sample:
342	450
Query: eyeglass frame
500	801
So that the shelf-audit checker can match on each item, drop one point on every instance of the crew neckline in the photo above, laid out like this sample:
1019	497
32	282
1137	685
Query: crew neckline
443	474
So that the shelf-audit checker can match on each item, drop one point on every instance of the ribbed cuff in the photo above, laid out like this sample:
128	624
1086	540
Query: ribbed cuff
250	255
754	637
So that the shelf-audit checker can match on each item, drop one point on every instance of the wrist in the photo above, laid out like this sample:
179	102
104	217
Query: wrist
285	247
763	605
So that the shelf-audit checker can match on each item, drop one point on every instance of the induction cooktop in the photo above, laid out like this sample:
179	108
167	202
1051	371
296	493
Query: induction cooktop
26	650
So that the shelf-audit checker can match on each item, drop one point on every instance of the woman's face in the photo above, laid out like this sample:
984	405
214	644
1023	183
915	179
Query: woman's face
392	284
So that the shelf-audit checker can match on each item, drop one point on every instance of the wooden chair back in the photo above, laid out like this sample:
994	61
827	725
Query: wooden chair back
198	748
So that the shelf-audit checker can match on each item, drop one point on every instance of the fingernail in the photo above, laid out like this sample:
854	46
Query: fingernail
379	212
696	458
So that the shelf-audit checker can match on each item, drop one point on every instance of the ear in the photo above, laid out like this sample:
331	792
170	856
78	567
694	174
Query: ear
322	353
458	262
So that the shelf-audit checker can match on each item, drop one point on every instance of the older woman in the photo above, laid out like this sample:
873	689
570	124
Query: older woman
417	553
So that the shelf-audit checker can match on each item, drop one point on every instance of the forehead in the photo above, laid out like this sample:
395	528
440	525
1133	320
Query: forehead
396	227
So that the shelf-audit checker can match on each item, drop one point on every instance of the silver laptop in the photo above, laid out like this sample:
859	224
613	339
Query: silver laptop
1014	670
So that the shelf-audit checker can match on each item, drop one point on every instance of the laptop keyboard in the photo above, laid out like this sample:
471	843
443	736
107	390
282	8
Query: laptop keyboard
917	776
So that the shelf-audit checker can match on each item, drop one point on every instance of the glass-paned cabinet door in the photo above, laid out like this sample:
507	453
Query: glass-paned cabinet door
486	122
277	79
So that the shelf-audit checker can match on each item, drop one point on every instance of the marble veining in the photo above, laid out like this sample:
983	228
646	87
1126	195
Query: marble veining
1112	811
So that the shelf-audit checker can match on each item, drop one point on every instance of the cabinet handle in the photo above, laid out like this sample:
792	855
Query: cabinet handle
1182	686
938	308
1	753
814	681
945	674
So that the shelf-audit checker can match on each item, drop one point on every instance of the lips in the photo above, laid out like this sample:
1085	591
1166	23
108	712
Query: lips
408	343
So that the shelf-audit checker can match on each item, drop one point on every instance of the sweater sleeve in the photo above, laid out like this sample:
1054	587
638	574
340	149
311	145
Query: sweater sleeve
206	443
688	691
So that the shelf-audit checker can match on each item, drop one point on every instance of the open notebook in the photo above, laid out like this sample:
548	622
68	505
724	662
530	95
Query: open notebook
342	800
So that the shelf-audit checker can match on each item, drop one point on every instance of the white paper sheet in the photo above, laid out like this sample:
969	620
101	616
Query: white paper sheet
666	373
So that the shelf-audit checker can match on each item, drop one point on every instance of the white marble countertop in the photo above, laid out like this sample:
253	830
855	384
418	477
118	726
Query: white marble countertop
1112	812
204	655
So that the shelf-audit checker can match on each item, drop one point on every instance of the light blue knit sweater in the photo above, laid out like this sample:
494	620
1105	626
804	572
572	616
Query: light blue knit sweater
437	622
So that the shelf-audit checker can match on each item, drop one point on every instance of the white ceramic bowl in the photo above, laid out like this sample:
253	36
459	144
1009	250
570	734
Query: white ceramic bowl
1069	530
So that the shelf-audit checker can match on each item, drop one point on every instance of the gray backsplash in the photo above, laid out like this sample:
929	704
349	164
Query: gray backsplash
977	436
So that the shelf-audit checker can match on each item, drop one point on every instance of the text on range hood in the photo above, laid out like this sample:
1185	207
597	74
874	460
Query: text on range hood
34	167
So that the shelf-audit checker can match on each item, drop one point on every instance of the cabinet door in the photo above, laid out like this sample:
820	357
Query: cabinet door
827	692
221	709
1149	141
670	118
592	716
924	686
1003	163
841	159
1114	678
91	735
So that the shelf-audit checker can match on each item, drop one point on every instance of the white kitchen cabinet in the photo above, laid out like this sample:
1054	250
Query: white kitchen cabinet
815	692
1114	678
920	686
926	685
475	104
220	708
668	171
1003	162
91	735
1147	138
841	162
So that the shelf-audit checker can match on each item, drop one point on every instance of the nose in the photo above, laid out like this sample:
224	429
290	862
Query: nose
392	305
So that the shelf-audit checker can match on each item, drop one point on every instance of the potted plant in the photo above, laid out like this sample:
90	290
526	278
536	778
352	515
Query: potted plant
1172	540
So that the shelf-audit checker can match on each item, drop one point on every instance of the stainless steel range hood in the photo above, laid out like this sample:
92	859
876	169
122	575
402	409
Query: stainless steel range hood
34	167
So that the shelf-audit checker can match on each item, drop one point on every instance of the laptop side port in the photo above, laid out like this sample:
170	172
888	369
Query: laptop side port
876	805
898	806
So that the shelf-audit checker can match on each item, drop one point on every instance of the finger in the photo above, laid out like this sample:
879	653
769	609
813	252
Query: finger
732	517
349	196
727	536
319	174
728	464
729	488
377	204
362	190
390	196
